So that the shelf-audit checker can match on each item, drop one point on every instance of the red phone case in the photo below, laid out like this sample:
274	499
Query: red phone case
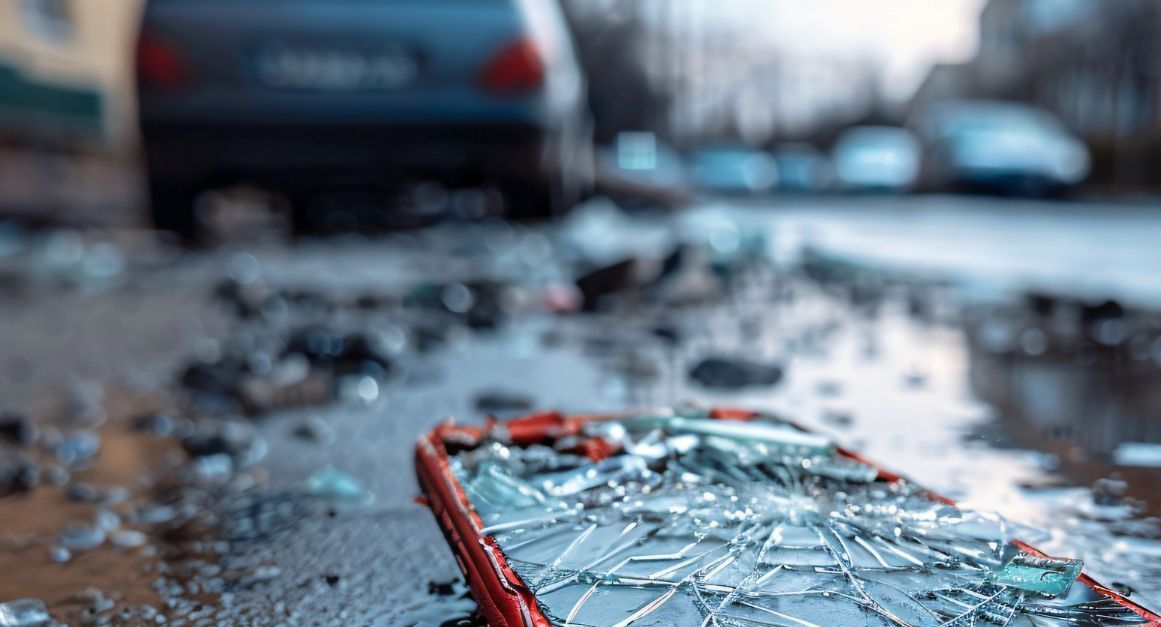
503	599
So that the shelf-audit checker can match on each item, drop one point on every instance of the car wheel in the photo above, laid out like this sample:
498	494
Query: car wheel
301	215
172	209
534	201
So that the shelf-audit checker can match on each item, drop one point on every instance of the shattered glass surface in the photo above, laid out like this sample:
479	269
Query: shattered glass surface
704	522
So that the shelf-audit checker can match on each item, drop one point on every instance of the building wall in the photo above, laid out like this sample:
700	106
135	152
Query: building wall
1094	63
60	53
76	43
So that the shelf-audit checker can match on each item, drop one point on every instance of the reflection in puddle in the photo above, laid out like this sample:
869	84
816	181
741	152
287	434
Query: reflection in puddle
66	543
1080	382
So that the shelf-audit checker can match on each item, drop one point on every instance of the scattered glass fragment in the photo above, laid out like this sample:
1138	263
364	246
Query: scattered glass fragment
1045	575
24	613
82	537
128	539
330	482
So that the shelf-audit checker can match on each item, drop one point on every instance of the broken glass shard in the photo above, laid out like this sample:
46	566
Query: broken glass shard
1051	576
24	613
774	437
329	482
705	522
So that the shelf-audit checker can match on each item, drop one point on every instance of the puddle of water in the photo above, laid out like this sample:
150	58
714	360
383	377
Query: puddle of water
29	524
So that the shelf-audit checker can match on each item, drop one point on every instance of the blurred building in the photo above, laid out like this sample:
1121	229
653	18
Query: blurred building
1094	63
65	66
66	105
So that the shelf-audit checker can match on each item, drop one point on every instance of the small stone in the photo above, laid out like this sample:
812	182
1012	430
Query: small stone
116	494
78	447
667	334
501	401
602	283
828	388
315	430
17	473
82	537
262	574
1109	491
83	493
59	554
56	475
24	613
213	469
442	588
215	381
97	601
82	404
266	573
1122	589
107	520
17	429
838	418
128	539
914	379
733	374
156	424
238	440
154	514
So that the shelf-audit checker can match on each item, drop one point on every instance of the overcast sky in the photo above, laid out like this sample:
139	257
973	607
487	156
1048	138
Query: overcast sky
904	37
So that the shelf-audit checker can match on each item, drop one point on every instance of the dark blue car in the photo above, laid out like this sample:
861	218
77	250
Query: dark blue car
296	95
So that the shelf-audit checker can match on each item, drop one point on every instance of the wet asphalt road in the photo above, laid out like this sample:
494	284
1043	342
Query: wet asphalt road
896	385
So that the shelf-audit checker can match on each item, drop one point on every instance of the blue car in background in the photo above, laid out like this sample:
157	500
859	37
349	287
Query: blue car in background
877	158
733	170
298	95
803	169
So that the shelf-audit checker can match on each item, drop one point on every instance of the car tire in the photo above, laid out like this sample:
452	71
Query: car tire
172	209
532	201
301	217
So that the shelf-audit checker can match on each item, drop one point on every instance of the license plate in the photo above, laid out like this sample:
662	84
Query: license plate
289	66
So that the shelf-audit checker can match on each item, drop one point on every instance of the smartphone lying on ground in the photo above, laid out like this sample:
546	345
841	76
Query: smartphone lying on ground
726	517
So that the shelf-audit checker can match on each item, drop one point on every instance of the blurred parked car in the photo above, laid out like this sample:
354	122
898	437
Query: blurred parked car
298	94
802	168
879	158
733	170
999	146
641	158
639	171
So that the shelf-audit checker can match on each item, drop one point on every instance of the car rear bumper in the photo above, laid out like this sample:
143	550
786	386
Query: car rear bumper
272	154
1007	179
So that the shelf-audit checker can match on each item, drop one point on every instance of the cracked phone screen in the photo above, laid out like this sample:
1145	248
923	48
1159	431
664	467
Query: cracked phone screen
693	521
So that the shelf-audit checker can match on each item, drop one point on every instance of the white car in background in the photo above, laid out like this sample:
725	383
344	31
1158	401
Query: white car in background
999	146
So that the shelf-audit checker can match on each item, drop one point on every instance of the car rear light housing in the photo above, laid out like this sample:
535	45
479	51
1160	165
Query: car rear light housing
517	68
159	66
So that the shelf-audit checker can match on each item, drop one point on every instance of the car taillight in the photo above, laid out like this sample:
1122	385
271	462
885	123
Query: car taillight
158	64
518	67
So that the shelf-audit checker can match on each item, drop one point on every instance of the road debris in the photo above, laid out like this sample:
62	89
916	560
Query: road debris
24	613
735	373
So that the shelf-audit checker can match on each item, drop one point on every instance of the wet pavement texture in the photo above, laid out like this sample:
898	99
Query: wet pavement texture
226	436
